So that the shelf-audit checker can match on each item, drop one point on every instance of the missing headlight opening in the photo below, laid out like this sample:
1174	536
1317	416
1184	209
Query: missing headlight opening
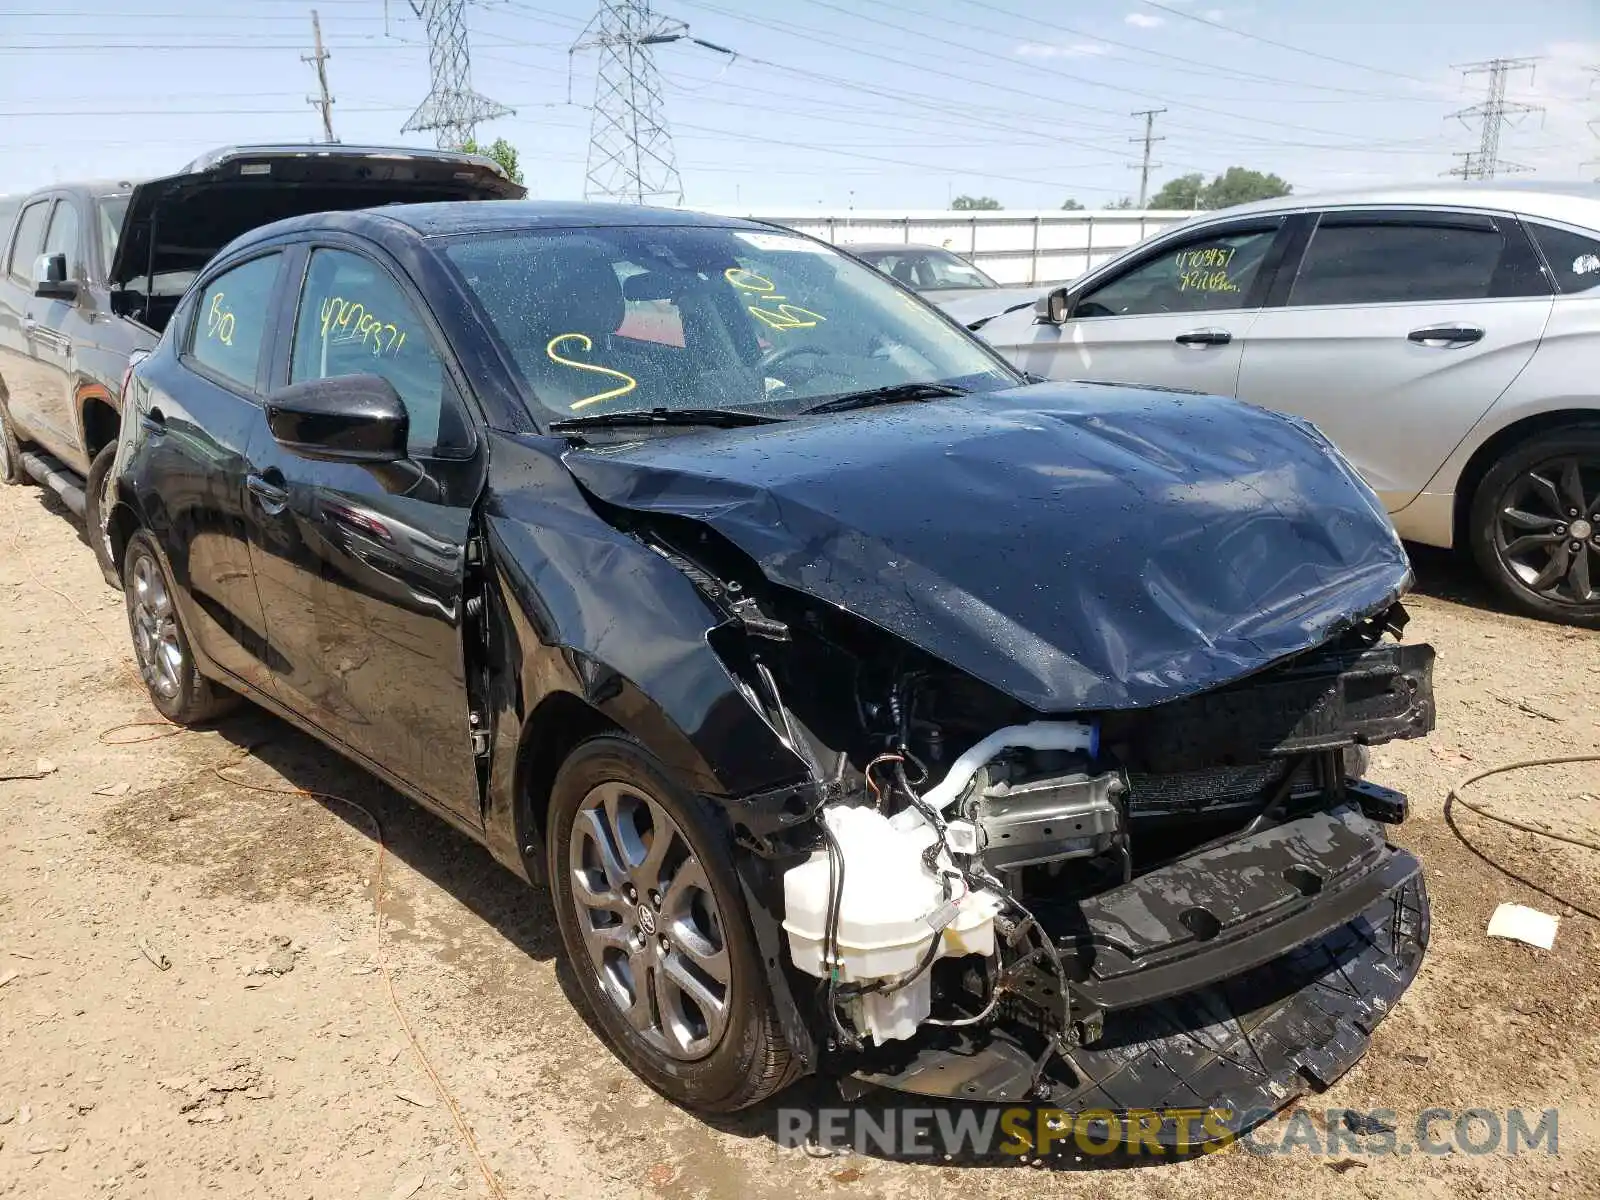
995	903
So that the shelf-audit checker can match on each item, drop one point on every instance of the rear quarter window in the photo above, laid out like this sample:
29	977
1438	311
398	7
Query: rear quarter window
1574	257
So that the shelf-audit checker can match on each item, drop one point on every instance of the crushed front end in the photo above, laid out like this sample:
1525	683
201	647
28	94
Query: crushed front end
1187	906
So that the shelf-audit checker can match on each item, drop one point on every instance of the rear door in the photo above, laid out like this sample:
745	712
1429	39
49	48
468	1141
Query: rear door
198	404
362	568
1177	315
1398	330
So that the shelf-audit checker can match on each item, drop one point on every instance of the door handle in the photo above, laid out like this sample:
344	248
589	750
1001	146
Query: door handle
273	499
1463	334
1204	337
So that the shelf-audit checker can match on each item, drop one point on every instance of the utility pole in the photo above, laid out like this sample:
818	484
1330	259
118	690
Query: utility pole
1494	113
320	59
451	108
1149	139
630	147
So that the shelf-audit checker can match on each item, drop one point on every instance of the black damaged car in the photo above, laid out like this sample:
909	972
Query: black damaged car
868	709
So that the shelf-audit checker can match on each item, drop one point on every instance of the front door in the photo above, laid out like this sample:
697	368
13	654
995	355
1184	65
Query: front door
1177	317
1400	330
362	568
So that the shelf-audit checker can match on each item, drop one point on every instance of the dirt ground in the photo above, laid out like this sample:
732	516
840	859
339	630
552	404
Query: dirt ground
269	1060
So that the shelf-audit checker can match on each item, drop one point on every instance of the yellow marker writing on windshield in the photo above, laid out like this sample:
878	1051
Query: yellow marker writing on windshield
628	381
785	316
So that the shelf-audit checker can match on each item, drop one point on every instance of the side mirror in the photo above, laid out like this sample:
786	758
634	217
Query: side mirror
349	418
50	280
1054	307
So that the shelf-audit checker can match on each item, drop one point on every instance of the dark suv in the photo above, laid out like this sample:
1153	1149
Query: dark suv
92	271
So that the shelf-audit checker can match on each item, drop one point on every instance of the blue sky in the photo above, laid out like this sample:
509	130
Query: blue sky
870	103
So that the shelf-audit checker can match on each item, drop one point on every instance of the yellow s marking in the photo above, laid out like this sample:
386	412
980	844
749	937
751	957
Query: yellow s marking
628	381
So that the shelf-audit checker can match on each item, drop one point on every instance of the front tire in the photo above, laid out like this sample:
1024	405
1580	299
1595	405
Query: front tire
161	644
10	452
655	928
100	497
1535	525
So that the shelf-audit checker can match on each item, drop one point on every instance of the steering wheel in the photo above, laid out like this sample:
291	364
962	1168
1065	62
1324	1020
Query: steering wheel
781	354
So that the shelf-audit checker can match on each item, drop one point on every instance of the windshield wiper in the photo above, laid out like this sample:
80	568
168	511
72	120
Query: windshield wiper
893	394
717	418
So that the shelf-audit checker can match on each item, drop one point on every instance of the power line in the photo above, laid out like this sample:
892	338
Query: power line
1266	41
1149	138
1494	113
320	59
451	108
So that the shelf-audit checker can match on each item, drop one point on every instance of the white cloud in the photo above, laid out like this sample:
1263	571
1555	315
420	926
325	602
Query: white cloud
1141	20
1049	50
1213	14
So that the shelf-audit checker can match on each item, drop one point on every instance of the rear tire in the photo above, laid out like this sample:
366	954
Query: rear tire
100	496
646	897
10	453
1534	527
161	645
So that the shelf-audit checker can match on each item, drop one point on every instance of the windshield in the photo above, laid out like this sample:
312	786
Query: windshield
624	318
926	269
113	210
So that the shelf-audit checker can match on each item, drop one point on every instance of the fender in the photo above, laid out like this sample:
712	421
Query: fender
584	619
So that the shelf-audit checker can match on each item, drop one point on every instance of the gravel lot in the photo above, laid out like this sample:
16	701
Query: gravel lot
269	1058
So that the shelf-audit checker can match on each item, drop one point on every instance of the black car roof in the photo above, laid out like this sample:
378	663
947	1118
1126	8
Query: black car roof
390	221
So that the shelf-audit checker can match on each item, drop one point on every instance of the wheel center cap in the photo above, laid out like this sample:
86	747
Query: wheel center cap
1581	530
647	921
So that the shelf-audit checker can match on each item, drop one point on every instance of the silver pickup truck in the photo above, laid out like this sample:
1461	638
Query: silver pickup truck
92	271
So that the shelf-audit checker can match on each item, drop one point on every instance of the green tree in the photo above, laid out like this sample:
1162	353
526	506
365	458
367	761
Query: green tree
1125	202
1071	205
502	151
1239	186
1182	192
975	204
1236	185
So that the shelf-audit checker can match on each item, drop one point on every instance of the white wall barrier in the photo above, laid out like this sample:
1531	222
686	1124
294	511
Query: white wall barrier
1015	247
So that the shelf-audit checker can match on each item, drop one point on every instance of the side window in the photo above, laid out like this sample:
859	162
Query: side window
1350	262
63	238
354	320
30	239
1207	274
230	320
1573	257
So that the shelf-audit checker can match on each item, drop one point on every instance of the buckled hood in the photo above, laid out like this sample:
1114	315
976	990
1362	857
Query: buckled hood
1075	546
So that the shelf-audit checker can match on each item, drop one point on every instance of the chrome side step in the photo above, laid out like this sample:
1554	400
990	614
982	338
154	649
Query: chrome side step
54	475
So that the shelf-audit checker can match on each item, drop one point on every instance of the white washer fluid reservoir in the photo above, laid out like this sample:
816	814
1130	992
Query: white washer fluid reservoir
888	916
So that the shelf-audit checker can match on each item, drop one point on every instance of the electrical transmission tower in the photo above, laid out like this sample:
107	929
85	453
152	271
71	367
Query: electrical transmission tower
324	102
630	147
1149	139
451	108
1494	113
1594	126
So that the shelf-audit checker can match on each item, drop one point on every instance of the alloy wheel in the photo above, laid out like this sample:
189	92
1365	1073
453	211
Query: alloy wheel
108	495
155	629
650	921
1547	531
